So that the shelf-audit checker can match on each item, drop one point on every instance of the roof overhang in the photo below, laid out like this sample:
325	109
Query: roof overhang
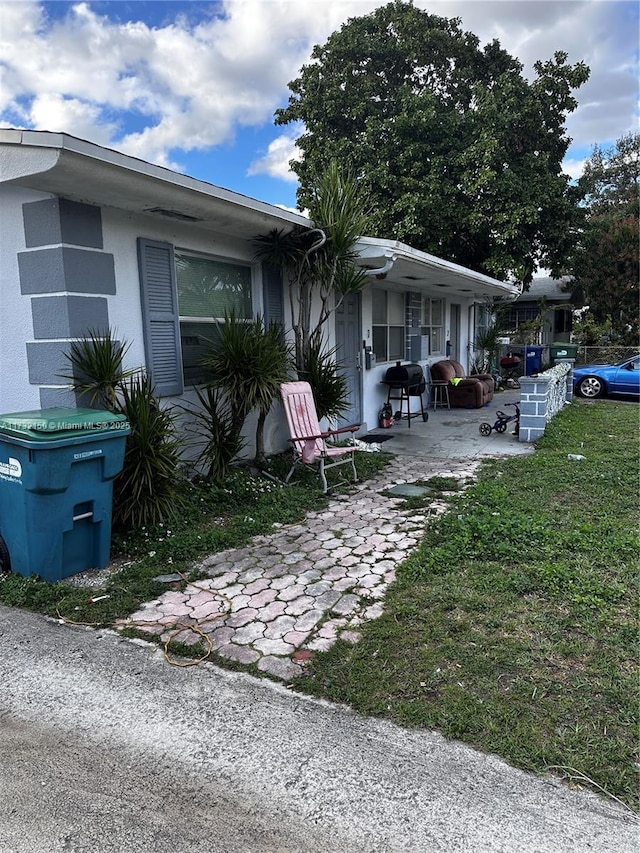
82	171
403	267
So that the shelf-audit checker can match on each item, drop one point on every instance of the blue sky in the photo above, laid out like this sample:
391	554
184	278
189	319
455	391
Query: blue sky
194	85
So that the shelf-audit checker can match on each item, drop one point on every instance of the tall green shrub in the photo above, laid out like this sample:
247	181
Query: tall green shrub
247	364
148	489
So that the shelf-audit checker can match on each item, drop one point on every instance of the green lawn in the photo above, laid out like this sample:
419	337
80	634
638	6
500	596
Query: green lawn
514	627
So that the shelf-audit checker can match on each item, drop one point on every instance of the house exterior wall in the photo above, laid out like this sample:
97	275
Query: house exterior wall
16	318
374	392
67	268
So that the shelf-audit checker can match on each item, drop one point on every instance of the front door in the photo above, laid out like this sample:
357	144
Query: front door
349	356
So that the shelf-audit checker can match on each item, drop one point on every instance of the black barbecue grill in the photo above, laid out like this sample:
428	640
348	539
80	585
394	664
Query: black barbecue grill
404	381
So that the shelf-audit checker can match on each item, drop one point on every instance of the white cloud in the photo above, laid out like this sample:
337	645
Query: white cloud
155	90
574	168
54	111
276	161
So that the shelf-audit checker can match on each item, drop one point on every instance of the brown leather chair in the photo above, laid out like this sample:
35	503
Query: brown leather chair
472	392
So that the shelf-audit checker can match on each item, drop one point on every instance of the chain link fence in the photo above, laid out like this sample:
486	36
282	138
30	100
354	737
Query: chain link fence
605	355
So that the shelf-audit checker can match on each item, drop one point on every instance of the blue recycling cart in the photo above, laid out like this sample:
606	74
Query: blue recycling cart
532	359
57	468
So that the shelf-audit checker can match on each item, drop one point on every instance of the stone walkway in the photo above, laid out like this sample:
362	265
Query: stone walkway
297	590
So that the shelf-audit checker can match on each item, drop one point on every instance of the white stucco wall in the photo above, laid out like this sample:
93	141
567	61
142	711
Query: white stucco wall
121	231
16	324
374	393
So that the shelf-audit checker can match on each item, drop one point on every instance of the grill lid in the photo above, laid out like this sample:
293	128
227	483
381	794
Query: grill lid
409	375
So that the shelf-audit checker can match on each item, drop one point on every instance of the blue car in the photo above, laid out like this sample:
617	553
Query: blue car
595	380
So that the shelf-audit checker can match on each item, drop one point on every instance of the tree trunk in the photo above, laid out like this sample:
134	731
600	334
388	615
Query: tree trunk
260	457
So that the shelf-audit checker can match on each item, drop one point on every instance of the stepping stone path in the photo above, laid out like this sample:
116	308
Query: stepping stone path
297	590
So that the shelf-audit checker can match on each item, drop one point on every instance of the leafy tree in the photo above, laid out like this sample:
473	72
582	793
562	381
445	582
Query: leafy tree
460	155
611	178
606	264
320	266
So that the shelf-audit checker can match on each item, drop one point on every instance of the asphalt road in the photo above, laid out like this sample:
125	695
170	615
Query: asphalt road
106	748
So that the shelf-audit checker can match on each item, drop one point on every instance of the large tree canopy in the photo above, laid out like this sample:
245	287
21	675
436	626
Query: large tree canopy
606	263
459	154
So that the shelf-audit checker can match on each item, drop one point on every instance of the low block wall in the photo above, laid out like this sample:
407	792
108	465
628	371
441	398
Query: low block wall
541	398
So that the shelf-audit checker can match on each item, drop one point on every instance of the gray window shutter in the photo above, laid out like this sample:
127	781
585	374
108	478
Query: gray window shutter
272	295
160	316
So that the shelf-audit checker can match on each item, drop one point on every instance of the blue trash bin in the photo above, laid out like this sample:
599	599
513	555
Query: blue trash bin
532	359
57	468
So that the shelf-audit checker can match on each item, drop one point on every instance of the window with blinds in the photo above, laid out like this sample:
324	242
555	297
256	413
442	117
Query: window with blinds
209	290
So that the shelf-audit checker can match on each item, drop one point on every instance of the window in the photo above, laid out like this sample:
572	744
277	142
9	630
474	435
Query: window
388	325
433	323
208	289
522	314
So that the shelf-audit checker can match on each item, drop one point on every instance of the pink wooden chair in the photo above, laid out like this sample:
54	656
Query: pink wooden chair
310	446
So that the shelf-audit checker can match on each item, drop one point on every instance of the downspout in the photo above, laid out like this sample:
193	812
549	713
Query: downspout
381	272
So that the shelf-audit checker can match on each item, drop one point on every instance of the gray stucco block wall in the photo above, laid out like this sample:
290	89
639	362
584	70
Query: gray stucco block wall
47	362
58	397
68	316
64	268
77	267
58	220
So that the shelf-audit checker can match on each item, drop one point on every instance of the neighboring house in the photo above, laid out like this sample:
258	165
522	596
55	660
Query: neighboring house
91	238
546	305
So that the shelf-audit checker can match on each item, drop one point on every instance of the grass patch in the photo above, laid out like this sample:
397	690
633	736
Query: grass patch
514	626
212	518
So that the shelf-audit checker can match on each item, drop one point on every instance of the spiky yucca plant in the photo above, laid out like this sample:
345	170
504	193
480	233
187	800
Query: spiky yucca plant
97	367
146	492
328	384
320	262
214	425
248	363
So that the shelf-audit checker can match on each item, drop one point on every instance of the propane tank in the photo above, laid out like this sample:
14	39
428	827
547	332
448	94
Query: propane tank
385	418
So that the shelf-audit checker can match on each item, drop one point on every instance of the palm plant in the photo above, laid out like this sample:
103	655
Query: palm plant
487	347
248	363
146	492
97	367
